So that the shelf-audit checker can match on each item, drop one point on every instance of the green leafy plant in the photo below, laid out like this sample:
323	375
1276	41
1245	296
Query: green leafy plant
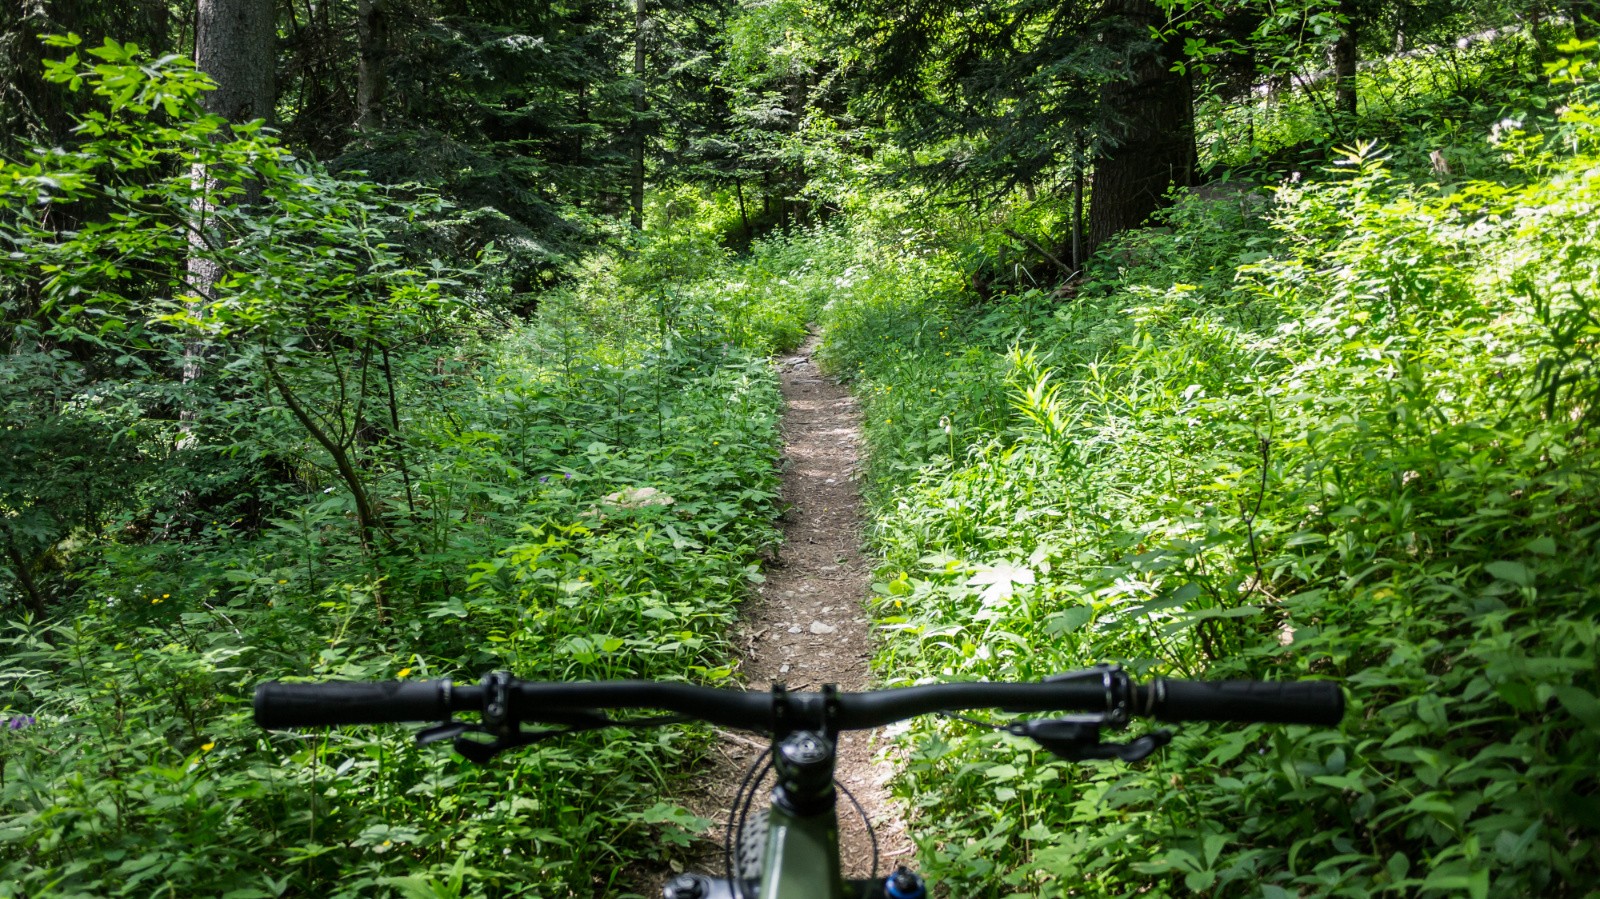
1347	440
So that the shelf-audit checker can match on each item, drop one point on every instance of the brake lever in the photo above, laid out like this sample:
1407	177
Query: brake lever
504	738
1076	738
449	730
481	753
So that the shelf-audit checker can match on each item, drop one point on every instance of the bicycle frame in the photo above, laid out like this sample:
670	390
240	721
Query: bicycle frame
801	854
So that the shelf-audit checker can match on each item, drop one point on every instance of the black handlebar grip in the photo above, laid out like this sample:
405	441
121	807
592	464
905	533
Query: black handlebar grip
1268	702
332	703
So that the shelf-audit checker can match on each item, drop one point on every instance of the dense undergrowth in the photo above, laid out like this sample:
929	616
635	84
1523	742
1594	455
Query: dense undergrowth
1343	429
520	563
584	494
535	548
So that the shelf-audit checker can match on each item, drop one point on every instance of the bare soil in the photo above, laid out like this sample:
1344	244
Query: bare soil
806	626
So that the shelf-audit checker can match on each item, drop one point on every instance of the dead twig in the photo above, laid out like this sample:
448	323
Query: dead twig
741	739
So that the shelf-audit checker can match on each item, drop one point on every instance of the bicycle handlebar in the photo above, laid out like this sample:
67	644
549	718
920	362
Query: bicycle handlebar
1267	702
332	703
1107	690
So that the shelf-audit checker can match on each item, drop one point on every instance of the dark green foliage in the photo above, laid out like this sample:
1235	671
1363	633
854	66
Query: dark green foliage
521	118
1345	432
364	485
1004	95
527	117
33	110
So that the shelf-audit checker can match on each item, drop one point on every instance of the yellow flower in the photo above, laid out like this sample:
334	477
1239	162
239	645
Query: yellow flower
155	602
283	582
403	672
208	747
166	596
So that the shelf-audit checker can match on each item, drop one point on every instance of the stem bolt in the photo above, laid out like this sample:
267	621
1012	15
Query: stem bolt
905	884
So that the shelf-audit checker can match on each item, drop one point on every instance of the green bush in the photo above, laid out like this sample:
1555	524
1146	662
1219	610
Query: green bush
501	526
1356	445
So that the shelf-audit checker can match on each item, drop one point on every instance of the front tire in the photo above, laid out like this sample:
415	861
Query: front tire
750	851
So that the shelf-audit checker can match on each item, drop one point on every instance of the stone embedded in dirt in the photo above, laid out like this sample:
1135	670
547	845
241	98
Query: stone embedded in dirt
795	629
818	627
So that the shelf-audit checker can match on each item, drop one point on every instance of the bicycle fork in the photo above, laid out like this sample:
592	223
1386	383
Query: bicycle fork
801	856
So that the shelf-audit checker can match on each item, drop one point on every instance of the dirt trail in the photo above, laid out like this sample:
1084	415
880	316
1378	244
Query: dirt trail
806	626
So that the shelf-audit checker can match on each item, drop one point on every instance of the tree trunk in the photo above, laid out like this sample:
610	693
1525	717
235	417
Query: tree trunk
637	185
372	80
744	217
1077	207
31	596
234	45
1151	146
1345	58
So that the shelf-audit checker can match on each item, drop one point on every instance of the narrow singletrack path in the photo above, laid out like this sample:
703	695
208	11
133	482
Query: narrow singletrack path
806	626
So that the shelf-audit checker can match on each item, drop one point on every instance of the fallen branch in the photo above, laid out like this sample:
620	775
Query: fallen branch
1066	269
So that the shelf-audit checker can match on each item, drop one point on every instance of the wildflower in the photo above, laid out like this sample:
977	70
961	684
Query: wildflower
209	746
21	721
282	581
166	596
403	672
